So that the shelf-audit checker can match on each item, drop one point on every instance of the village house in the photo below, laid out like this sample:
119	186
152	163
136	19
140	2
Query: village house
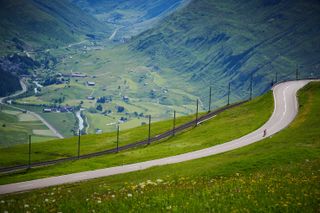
79	75
90	98
125	99
47	110
91	83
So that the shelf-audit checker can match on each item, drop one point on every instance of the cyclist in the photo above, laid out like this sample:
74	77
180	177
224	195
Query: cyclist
264	132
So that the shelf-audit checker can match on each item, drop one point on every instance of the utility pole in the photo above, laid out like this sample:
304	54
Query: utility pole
29	160
210	99
79	143
174	123
229	87
197	112
251	85
118	130
149	134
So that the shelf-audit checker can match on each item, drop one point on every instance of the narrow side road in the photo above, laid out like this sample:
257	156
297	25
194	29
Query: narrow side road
285	110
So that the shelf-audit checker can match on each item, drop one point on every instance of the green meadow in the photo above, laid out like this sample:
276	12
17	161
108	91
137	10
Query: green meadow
64	123
278	174
116	73
222	128
157	70
16	126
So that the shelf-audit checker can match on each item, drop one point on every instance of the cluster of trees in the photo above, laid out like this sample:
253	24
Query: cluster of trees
52	80
99	107
58	100
104	99
18	64
120	109
9	83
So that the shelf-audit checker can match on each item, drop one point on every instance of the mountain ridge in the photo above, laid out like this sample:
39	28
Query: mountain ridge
216	41
39	24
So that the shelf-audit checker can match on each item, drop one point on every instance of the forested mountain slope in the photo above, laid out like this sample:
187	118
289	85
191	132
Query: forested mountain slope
40	23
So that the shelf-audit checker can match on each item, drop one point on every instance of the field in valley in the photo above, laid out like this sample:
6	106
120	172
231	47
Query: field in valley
16	126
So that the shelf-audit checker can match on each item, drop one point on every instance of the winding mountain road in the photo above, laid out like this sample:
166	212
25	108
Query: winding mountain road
285	110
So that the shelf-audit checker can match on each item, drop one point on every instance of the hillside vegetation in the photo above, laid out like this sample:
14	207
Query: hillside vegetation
214	42
220	129
39	24
279	174
9	83
191	46
16	126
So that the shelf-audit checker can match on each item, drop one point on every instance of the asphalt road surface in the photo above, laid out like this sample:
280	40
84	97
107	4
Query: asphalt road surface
285	110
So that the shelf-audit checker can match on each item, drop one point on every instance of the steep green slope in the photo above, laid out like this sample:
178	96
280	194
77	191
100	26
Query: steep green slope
220	129
38	23
214	42
279	174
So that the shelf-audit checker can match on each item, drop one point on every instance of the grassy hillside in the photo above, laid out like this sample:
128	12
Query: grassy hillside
279	174
118	73
222	128
170	66
34	24
215	42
